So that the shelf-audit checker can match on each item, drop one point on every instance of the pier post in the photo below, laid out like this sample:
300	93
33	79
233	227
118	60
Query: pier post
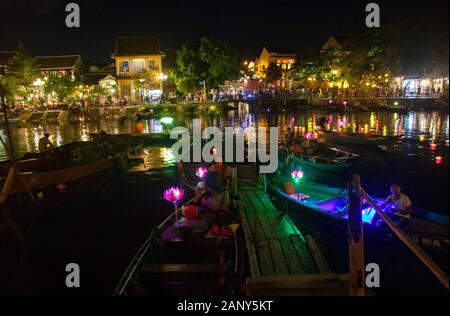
355	239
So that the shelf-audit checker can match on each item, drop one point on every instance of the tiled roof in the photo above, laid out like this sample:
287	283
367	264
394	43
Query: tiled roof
5	56
280	50
57	62
143	45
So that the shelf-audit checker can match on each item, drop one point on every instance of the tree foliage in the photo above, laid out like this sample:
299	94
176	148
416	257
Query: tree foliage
21	71
62	86
365	58
206	60
273	73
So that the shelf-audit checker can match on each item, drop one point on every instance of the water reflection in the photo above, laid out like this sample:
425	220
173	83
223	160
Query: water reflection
432	127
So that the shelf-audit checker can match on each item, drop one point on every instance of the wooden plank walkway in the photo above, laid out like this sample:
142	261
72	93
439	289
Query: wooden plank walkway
282	260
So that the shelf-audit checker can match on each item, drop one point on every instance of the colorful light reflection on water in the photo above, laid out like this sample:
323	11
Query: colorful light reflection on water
429	127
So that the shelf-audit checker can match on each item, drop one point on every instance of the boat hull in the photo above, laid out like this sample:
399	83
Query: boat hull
312	220
42	180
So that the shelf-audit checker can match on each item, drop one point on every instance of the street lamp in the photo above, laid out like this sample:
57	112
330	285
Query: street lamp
38	82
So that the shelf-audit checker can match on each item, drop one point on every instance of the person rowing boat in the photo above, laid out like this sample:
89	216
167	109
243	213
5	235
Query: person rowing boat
400	205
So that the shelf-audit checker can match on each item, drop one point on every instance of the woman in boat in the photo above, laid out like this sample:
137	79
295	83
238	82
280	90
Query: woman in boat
297	147
401	203
212	201
218	198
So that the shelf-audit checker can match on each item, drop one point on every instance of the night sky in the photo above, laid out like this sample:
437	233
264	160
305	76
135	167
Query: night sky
247	24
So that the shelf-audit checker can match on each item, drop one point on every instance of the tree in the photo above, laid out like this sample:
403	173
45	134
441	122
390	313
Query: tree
21	71
61	86
207	60
273	72
221	59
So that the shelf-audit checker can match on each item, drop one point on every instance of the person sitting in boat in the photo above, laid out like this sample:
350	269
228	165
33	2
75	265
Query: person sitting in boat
400	202
217	197
45	144
289	136
297	147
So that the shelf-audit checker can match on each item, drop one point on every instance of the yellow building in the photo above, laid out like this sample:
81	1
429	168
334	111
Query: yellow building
285	60
139	69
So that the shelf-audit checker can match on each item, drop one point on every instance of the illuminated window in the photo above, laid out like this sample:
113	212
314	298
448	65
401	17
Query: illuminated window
124	66
151	63
138	65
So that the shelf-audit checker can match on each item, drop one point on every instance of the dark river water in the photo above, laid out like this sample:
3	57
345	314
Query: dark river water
102	229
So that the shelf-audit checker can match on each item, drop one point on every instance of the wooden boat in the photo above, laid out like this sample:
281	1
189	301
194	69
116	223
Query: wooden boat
185	259
147	138
359	139
40	172
323	208
180	261
324	158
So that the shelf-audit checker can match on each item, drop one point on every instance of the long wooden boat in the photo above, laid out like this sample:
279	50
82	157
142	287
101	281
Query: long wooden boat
185	258
181	261
358	139
324	158
146	138
40	172
320	208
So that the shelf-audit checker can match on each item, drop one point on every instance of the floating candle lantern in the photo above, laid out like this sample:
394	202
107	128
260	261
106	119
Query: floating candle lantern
297	175
201	172
174	195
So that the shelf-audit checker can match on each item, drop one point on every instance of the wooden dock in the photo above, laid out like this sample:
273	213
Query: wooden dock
282	260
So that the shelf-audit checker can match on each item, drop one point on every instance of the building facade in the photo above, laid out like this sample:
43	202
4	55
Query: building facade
139	68
285	60
282	58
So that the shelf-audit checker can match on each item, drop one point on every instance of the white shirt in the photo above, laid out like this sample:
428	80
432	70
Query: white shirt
401	204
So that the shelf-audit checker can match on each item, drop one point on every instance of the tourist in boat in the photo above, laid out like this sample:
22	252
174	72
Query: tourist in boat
289	136
217	197
297	147
400	202
45	144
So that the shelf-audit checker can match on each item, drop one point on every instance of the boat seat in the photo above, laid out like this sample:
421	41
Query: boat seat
183	268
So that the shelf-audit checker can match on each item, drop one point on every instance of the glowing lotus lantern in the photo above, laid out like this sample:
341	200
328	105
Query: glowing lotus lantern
174	195
433	146
309	135
297	175
201	172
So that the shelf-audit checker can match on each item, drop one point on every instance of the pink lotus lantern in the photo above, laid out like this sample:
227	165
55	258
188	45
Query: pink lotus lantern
297	175
174	195
201	172
308	135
